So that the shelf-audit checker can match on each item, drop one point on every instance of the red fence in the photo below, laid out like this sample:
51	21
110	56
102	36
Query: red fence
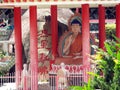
47	81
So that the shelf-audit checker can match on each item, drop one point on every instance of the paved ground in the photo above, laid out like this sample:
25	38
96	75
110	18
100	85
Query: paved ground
41	86
45	87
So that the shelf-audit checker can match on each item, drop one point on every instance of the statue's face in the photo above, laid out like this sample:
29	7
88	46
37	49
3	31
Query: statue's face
76	28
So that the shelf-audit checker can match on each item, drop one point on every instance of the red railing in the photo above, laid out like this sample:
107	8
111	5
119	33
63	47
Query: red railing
47	81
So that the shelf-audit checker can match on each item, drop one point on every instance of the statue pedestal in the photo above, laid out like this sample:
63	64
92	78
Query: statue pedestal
68	61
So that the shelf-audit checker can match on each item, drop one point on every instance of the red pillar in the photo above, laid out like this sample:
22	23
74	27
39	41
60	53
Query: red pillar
102	33
54	28
118	21
85	37
5	1
18	43
31	0
33	48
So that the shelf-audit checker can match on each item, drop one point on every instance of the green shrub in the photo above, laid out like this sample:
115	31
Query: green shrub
108	67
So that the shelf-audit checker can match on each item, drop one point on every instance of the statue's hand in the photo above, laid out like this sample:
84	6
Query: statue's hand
76	54
76	57
70	39
67	56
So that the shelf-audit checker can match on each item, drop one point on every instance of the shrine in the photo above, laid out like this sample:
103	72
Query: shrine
41	30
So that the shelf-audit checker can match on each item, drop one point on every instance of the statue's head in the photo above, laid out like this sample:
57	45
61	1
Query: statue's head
75	19
62	65
25	66
75	23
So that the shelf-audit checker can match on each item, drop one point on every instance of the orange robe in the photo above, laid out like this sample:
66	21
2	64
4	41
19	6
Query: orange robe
76	47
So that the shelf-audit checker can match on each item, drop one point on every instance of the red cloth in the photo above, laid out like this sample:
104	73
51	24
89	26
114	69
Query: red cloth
76	46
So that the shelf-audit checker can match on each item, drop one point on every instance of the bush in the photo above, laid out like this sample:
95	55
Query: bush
108	66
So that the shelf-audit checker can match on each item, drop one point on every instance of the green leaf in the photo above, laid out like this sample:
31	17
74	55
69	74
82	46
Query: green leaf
117	39
108	48
75	88
118	55
93	74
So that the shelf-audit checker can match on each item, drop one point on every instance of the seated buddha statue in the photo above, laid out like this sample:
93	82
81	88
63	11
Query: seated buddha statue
70	44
